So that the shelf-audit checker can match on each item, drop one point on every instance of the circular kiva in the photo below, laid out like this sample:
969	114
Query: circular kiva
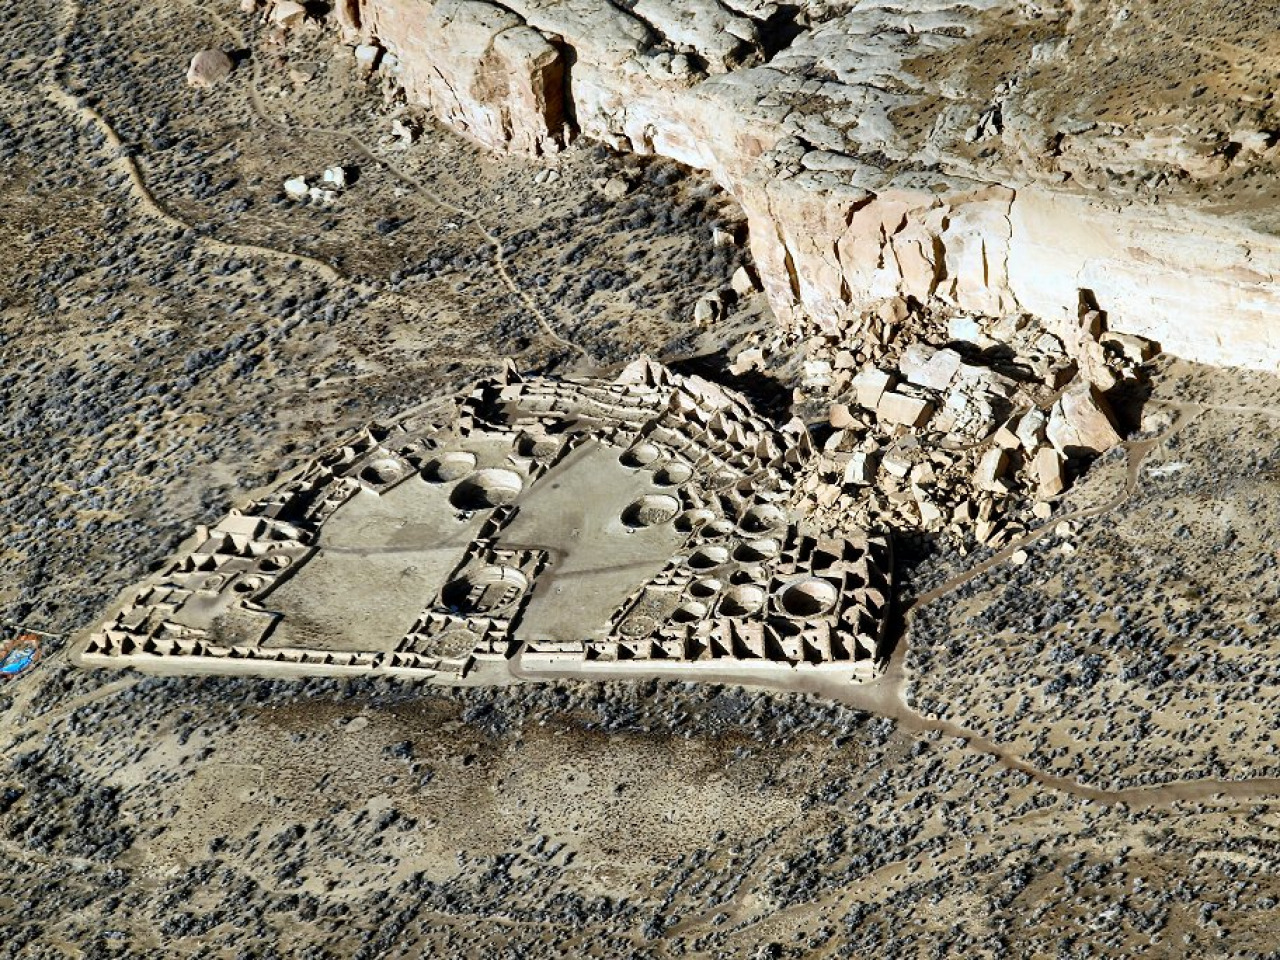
689	612
672	474
274	562
540	448
690	520
493	487
19	655
762	518
715	529
650	510
382	471
641	455
453	644
705	558
707	587
807	597
449	467
213	582
638	625
754	551
741	601
484	589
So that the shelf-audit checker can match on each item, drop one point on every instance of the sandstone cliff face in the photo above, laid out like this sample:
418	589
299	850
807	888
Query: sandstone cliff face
479	67
926	149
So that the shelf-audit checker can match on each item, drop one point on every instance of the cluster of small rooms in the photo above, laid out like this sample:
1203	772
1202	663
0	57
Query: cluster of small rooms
638	526
949	424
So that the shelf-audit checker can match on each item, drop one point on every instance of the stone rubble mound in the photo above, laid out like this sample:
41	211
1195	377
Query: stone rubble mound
963	435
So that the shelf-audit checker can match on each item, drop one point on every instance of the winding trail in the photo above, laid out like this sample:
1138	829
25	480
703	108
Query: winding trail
123	162
363	150
44	721
887	696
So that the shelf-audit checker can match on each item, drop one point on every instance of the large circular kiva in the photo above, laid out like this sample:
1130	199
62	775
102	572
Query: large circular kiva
448	467
493	487
741	601
650	510
808	597
382	471
484	589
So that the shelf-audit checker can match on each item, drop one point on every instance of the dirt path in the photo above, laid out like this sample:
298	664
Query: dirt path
42	723
124	163
362	149
885	696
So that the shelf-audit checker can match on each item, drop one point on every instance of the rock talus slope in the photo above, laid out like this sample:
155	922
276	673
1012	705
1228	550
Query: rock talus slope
925	147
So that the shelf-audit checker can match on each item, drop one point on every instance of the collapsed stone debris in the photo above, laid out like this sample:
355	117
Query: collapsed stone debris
961	435
635	527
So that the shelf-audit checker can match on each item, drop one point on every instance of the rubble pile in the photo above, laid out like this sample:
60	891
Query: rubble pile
949	424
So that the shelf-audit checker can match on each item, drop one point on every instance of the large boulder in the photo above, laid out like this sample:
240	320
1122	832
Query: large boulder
1081	423
209	67
480	67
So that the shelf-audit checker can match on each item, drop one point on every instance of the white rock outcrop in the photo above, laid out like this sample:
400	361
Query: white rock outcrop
479	67
209	67
1003	202
1080	422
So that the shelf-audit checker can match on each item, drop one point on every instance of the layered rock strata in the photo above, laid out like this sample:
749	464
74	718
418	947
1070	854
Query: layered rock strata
480	68
927	148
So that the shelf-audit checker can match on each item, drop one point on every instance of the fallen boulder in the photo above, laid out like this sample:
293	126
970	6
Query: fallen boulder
905	410
1080	423
209	67
1047	467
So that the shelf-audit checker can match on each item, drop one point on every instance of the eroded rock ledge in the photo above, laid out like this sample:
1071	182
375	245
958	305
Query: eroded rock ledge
928	148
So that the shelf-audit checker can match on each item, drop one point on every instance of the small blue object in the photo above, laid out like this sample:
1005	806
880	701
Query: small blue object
17	660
